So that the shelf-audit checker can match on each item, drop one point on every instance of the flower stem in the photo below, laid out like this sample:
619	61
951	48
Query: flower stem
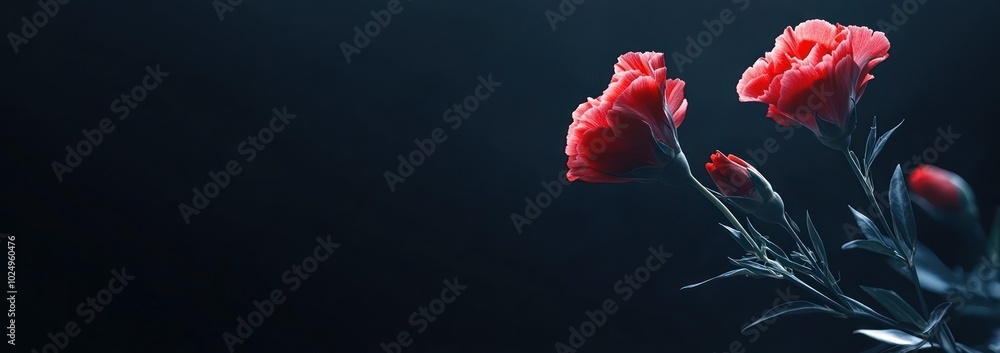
728	214
866	184
822	271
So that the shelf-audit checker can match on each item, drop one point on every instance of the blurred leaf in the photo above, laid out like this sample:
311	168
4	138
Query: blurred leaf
994	247
896	305
947	340
869	245
934	275
936	316
870	144
795	307
871	231
908	349
816	240
879	145
736	272
902	212
892	336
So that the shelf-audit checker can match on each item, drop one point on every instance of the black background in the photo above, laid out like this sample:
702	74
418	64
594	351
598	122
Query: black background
323	175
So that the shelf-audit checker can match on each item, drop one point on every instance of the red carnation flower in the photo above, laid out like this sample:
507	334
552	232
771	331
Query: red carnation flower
814	76
629	132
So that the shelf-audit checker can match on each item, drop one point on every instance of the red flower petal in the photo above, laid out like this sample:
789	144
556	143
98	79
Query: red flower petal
730	175
647	63
674	101
869	49
642	102
754	82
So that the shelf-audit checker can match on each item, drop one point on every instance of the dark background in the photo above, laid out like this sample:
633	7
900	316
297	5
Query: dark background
451	218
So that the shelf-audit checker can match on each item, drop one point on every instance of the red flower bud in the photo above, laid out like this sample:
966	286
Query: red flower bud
743	186
939	191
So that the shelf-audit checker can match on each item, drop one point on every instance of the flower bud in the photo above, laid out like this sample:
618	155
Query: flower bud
741	185
943	194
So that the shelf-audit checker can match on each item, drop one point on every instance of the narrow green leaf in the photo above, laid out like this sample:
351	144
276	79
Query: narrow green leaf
767	242
817	242
936	316
892	336
862	309
871	231
870	144
879	145
738	237
896	305
736	272
902	212
900	266
751	264
795	307
870	245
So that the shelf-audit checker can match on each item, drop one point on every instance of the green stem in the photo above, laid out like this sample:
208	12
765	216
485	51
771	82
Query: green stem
806	250
729	215
870	192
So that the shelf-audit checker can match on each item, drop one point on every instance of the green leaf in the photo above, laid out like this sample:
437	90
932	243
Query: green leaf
870	144
994	246
767	242
862	309
795	307
817	242
896	305
871	231
750	263
869	245
738	236
879	145
936	316
736	272
900	266
902	212
892	336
